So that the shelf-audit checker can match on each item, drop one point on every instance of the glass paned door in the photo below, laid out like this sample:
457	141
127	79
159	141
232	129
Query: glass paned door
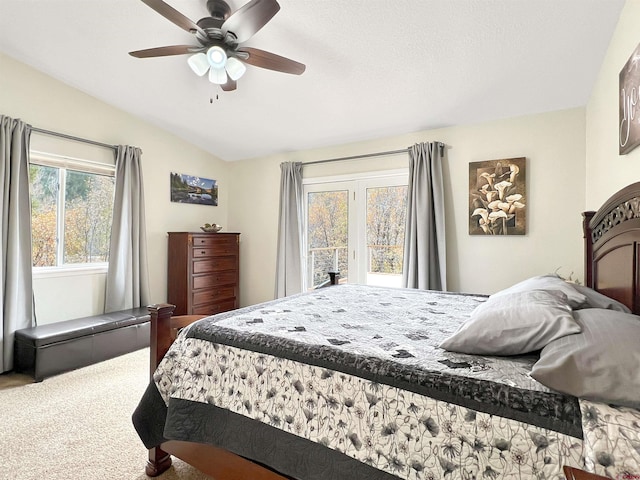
327	235
356	227
385	217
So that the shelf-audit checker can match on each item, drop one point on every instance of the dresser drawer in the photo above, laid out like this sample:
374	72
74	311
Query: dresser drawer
217	244
215	251
213	308
215	279
216	264
213	295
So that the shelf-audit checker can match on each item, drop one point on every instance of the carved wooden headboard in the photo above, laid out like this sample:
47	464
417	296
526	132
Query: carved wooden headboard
612	247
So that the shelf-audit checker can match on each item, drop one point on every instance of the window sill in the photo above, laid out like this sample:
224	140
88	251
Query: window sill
69	271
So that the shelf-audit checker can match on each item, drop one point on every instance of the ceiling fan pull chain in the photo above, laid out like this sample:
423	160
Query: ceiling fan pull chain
217	94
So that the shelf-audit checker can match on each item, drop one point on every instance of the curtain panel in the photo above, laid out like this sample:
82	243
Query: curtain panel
290	253
424	264
128	278
16	287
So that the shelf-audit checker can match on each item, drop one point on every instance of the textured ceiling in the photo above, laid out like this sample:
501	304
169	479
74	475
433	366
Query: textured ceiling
374	68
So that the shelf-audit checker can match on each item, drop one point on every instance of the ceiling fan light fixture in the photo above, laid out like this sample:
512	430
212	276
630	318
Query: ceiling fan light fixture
218	76
235	68
220	37
217	57
198	63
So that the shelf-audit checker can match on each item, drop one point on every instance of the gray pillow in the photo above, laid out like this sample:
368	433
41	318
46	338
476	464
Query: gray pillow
514	323
602	363
598	300
548	282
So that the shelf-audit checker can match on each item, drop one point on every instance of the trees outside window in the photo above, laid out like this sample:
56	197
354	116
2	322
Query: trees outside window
71	213
356	227
327	234
386	217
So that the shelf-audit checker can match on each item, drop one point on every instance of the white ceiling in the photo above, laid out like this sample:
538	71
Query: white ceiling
375	68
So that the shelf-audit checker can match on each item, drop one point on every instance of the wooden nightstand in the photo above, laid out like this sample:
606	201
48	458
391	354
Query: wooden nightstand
572	473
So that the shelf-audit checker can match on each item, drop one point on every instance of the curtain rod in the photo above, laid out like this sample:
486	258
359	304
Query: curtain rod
366	155
71	137
378	154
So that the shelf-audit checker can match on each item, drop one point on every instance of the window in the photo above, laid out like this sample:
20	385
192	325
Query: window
71	210
356	227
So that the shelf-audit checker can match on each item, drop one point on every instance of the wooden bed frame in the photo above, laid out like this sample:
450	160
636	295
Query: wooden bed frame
612	266
612	247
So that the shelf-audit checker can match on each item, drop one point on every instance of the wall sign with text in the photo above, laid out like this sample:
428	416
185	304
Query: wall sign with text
629	124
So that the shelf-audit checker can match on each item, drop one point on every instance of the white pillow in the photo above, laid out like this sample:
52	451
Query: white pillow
602	363
598	300
548	282
514	323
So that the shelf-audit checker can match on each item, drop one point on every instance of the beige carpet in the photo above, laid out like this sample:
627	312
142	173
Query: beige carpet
78	425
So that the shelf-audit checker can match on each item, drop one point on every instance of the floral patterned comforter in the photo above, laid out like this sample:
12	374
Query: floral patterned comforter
357	369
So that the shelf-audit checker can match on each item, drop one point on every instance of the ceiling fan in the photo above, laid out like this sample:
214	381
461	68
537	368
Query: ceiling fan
220	37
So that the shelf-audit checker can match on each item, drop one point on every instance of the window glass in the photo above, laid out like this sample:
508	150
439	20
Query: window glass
327	235
386	215
44	214
87	217
356	227
71	212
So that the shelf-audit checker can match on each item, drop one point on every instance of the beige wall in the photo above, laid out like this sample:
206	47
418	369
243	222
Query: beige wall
573	164
554	145
49	104
607	172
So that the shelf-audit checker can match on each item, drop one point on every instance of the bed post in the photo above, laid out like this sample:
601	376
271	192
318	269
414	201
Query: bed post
159	460
160	332
588	248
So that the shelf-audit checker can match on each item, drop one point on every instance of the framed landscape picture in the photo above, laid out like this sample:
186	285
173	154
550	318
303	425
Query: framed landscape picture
497	197
193	189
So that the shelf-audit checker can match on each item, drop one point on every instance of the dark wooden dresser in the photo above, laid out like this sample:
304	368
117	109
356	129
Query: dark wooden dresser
203	272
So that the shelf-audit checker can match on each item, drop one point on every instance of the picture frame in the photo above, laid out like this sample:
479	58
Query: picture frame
193	189
497	197
629	104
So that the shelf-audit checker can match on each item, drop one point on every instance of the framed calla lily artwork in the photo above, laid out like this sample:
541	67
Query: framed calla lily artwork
497	197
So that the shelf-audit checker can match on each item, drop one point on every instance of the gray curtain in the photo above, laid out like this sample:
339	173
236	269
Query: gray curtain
128	277
424	242
15	262
290	265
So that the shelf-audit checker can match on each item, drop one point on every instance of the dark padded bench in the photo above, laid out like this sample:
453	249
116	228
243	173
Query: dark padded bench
59	347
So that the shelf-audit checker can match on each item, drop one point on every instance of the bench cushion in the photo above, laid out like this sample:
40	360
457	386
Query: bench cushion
79	327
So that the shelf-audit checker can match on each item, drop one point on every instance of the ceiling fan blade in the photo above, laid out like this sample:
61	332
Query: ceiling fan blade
229	86
165	51
271	61
250	18
173	15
